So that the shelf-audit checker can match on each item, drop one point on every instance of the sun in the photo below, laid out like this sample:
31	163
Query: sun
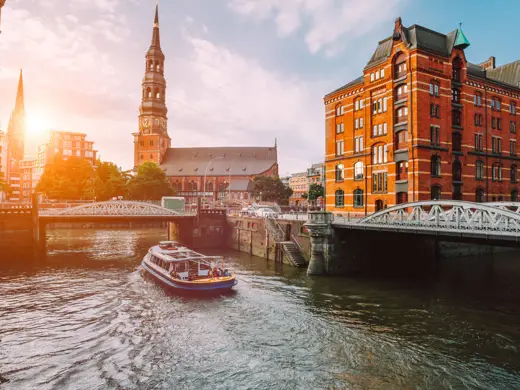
37	123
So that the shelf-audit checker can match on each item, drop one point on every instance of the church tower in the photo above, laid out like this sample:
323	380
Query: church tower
152	141
16	127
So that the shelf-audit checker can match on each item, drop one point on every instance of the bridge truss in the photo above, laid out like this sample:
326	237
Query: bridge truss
117	208
491	220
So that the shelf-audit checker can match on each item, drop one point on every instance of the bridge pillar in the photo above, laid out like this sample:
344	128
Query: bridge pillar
320	232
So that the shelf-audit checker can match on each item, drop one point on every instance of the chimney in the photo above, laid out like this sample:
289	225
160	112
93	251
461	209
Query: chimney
398	28
488	64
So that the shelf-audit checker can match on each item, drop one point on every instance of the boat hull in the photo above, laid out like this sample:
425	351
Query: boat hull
188	286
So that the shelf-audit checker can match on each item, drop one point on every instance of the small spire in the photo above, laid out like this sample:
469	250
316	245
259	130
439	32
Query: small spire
19	106
156	21
156	38
461	41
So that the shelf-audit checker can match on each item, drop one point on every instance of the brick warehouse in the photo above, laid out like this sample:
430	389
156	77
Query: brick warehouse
422	123
211	173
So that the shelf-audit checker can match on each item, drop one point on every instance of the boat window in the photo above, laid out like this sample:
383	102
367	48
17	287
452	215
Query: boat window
204	267
180	267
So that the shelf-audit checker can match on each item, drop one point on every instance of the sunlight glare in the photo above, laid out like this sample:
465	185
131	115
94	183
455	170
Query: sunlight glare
37	123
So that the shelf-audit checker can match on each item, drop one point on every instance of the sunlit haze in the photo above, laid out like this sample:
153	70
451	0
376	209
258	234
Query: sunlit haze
239	72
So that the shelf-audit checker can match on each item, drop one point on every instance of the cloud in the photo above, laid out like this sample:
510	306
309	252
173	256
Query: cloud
327	24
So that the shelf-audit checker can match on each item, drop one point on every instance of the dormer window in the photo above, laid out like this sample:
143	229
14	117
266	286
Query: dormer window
456	69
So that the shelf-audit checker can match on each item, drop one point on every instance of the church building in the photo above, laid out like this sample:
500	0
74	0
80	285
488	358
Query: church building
213	173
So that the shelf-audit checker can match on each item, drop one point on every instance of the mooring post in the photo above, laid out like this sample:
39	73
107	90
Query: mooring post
319	227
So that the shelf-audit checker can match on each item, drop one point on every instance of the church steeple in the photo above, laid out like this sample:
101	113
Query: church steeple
16	128
153	112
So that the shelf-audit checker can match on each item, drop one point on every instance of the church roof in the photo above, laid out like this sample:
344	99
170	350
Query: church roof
219	161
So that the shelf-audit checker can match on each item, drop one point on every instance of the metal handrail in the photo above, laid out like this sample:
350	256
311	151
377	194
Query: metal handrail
293	239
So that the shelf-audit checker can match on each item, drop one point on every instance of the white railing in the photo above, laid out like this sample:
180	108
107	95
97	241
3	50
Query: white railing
111	208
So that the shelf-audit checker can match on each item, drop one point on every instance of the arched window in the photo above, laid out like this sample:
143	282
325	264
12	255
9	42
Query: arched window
359	169
401	92
158	95
150	64
358	198
222	186
340	198
456	171
379	154
340	176
149	92
514	174
194	186
479	170
479	195
435	165
209	186
179	185
158	67
435	192
399	65
456	67
514	195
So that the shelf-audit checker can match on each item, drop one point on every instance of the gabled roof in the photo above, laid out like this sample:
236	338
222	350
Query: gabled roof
219	161
359	80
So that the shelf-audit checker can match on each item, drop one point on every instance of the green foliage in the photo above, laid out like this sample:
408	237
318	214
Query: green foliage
305	195
110	181
272	189
315	191
70	179
150	183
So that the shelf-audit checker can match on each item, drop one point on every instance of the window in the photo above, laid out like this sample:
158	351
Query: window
358	171
456	118
499	124
479	195
339	172
514	196
514	174
340	110
456	69
434	110
435	138
402	114
402	170
479	170
374	131
478	143
512	127
478	120
340	198
456	142
512	108
435	193
382	73
477	99
358	198
380	129
151	142
385	128
399	66
455	95
497	172
379	154
435	165
495	103
371	77
456	171
356	123
358	144
356	105
340	128
496	145
380	105
493	123
401	139
360	123
340	148
512	147
434	88
377	75
379	182
385	104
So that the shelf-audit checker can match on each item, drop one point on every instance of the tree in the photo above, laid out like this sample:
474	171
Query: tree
70	179
272	189
315	191
4	187
150	183
110	181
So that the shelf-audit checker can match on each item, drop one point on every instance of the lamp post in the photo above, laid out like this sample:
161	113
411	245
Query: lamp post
206	170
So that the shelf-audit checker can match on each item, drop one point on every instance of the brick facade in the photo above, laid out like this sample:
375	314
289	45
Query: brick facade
406	130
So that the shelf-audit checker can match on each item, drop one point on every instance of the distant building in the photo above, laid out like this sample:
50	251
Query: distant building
64	143
211	173
300	185
316	175
285	180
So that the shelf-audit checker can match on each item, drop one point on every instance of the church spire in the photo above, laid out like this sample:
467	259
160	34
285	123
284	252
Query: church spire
156	37
20	105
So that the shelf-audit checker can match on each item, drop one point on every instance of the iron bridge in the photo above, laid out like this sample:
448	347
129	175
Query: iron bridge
497	220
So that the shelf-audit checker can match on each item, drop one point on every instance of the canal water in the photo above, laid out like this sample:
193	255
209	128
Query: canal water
84	318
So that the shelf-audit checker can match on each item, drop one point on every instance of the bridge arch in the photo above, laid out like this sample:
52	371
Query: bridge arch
119	207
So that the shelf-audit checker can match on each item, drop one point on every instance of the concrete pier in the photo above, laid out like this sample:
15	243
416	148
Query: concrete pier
320	232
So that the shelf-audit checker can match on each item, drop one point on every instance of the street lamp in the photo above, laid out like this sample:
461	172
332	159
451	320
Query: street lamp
206	170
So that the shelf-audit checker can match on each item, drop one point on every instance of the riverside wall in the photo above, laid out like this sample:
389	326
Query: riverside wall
251	235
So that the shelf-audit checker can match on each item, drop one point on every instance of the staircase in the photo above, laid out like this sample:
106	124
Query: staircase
274	229
293	253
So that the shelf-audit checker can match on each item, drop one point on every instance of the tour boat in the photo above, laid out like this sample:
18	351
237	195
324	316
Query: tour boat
183	269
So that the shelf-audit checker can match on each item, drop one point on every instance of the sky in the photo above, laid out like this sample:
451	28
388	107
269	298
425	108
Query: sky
239	72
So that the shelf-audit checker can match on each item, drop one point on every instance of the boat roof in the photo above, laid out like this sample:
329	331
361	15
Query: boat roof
181	254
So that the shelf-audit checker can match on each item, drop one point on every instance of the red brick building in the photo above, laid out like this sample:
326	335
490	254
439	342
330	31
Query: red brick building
213	173
421	123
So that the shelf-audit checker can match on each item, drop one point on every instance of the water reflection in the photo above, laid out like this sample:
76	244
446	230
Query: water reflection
84	318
